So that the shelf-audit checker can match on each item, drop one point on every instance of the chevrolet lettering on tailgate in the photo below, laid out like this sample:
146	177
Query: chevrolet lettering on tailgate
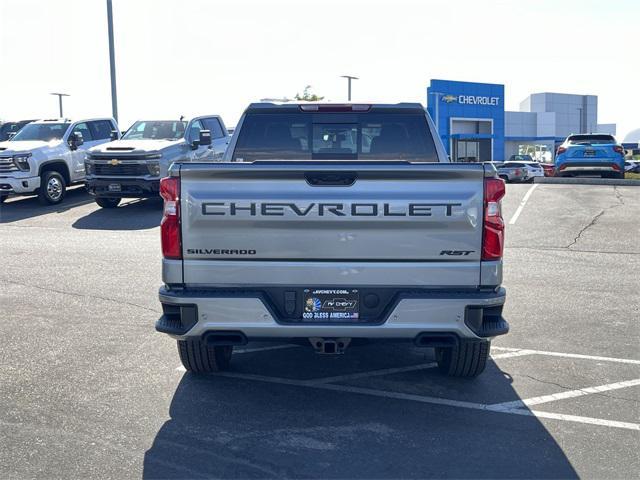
327	209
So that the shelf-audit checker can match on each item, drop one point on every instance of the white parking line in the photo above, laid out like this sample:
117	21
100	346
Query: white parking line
527	402
374	373
410	368
522	204
435	400
516	353
513	407
572	355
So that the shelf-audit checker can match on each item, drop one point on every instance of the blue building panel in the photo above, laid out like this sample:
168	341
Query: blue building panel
454	100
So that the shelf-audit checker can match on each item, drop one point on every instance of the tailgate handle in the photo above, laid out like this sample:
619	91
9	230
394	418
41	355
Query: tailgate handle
331	179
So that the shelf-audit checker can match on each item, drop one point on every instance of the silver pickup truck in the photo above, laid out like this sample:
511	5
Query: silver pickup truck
132	166
333	226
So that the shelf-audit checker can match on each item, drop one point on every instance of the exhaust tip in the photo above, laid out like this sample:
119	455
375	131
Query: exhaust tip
433	340
219	339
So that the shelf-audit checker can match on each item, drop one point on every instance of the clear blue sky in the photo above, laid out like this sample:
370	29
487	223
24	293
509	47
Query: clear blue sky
196	56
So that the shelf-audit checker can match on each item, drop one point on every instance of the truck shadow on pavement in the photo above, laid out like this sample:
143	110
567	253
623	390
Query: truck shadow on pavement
233	426
21	208
129	215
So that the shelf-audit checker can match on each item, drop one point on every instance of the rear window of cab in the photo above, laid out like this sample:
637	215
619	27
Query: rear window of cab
340	136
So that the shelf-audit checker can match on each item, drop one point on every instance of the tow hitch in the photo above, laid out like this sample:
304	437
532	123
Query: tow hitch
330	346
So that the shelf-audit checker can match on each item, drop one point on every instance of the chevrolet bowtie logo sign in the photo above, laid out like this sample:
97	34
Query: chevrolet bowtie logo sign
114	162
450	98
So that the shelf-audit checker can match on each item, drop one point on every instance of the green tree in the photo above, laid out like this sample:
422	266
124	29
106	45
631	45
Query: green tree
307	96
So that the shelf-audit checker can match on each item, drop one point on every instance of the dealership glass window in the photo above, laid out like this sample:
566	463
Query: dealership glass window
538	152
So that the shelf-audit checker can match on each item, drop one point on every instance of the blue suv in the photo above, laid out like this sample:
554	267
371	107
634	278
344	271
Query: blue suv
593	153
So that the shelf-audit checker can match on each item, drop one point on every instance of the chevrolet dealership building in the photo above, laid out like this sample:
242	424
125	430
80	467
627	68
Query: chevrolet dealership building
474	126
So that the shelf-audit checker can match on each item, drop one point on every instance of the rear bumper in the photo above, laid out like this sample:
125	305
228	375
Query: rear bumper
465	314
589	166
18	185
129	187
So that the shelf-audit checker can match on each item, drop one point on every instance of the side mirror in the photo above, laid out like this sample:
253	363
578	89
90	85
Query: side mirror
75	140
205	137
114	135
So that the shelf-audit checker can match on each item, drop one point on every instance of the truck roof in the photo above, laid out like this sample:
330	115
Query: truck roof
272	107
68	120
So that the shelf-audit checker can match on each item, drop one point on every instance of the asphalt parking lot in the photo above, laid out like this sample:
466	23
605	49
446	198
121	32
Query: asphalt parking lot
88	389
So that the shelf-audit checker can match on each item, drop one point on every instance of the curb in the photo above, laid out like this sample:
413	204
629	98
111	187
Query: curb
587	181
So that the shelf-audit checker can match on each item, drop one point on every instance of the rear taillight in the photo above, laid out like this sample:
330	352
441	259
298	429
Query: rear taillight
616	167
618	149
170	225
493	228
562	167
561	150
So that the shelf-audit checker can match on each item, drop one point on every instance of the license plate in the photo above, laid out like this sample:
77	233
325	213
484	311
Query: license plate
331	304
589	153
115	187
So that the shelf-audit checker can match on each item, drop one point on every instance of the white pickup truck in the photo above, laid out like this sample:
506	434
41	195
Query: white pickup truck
133	166
331	226
46	156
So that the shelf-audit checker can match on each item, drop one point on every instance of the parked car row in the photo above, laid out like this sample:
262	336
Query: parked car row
44	157
519	169
584	154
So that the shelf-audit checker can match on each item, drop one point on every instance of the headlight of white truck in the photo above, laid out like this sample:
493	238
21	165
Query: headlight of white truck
154	168
22	161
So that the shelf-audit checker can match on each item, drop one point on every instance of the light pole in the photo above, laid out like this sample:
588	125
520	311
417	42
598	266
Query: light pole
60	95
582	130
437	105
349	78
112	62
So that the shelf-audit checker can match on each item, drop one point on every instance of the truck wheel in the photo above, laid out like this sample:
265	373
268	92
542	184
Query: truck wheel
197	357
52	188
3	198
105	202
466	359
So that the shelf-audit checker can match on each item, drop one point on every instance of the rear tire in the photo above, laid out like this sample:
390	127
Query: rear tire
105	202
52	188
465	359
3	198
197	357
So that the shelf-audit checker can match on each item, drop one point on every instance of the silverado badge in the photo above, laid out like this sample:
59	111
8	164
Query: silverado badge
114	162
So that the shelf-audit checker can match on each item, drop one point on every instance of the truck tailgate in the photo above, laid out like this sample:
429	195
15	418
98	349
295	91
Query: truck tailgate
244	220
